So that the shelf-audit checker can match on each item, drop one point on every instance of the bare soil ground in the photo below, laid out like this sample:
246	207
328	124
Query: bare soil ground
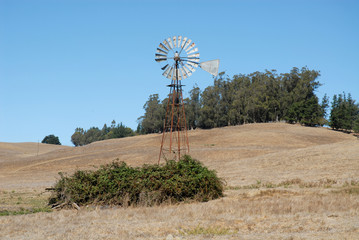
283	182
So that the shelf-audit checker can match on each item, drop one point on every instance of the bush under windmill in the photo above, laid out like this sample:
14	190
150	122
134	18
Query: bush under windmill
119	184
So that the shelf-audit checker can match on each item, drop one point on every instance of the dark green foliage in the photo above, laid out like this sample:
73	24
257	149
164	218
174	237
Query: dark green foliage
215	104
192	107
51	139
302	103
119	184
344	113
356	124
82	137
152	121
253	98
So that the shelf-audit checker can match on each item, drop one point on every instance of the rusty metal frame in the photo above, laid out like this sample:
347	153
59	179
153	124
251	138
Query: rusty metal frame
182	68
175	106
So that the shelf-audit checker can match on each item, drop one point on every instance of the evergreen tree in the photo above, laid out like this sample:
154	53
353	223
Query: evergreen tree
324	106
104	131
344	112
152	121
356	124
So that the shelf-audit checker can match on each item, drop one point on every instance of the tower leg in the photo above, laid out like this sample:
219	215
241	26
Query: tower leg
174	141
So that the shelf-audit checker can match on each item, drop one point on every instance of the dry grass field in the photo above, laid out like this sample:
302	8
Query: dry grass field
283	182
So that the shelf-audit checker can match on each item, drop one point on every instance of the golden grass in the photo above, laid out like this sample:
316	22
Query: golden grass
283	182
242	214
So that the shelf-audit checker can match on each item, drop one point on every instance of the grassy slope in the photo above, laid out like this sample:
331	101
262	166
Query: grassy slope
255	160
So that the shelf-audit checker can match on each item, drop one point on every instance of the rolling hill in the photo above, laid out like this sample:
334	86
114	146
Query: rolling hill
283	182
241	154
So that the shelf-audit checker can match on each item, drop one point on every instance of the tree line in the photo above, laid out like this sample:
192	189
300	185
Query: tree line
258	97
344	114
82	137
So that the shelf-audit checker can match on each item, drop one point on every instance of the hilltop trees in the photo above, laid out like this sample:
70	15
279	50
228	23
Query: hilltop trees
253	98
51	139
258	97
299	90
193	107
82	137
344	113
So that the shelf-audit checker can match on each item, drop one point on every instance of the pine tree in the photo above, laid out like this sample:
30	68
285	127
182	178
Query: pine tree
344	112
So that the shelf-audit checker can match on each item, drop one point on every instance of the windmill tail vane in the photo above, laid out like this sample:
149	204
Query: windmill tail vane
179	58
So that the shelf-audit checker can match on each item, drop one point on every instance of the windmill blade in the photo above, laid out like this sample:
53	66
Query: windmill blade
183	73
161	59
183	44
169	76
167	44
184	41
160	55
187	44
193	61
170	42
190	67
159	50
191	46
193	51
163	47
163	68
194	64
179	74
186	69
175	74
175	41
195	55
210	66
179	41
166	72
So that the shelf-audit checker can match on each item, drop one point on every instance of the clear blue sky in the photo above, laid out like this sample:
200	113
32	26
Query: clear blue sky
82	63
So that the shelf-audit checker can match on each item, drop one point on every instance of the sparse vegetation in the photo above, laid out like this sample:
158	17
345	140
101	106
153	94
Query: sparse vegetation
119	184
20	203
23	211
323	183
208	231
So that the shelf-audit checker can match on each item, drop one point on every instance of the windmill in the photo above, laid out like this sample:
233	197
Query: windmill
179	58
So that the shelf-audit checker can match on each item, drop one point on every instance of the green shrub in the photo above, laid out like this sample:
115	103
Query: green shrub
119	184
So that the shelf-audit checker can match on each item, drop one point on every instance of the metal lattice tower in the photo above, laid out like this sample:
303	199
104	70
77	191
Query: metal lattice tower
180	58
